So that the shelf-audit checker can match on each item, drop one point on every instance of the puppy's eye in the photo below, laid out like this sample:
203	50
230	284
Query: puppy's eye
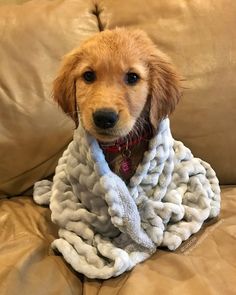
89	76
131	78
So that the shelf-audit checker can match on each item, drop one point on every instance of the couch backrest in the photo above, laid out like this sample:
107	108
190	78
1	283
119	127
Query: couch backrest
199	36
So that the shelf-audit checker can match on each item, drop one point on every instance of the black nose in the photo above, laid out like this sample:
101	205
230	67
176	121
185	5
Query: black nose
105	118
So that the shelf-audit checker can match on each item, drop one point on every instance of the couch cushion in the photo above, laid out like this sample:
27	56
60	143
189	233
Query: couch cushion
201	39
27	262
12	1
33	131
204	264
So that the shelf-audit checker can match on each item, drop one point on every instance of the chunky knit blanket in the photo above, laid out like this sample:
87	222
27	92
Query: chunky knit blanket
106	226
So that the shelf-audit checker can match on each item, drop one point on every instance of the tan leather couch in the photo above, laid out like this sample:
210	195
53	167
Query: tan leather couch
200	37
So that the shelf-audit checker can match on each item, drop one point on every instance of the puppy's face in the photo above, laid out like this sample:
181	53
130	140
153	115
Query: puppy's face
110	79
111	86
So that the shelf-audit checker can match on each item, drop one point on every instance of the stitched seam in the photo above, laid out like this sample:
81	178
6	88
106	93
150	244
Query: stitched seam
96	11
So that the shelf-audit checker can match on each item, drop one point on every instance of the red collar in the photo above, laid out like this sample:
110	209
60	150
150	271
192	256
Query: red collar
128	142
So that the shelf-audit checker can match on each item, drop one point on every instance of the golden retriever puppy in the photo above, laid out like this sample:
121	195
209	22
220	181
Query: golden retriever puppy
121	86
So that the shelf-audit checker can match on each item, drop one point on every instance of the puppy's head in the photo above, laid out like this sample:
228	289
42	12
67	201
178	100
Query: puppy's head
111	79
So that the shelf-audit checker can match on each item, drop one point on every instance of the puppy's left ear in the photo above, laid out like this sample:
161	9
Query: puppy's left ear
64	86
165	89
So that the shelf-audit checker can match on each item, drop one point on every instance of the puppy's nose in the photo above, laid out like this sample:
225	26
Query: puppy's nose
105	118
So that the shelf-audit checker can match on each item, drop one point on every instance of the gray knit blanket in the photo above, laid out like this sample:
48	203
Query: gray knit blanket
106	226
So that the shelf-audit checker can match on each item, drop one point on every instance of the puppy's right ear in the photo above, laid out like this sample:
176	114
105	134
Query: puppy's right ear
165	87
64	87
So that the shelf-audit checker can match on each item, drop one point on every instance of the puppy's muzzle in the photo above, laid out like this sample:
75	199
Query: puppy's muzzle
105	118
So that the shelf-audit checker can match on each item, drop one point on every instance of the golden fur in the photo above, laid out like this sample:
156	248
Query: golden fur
111	54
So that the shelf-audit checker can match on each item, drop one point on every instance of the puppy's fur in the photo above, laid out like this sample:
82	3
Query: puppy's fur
111	55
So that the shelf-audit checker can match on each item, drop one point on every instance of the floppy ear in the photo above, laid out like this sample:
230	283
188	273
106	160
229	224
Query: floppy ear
64	87
165	89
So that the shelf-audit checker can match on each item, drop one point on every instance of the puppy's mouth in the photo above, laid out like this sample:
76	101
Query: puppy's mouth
105	127
111	134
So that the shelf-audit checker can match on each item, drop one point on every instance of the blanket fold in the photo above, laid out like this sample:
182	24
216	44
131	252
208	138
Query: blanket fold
107	226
